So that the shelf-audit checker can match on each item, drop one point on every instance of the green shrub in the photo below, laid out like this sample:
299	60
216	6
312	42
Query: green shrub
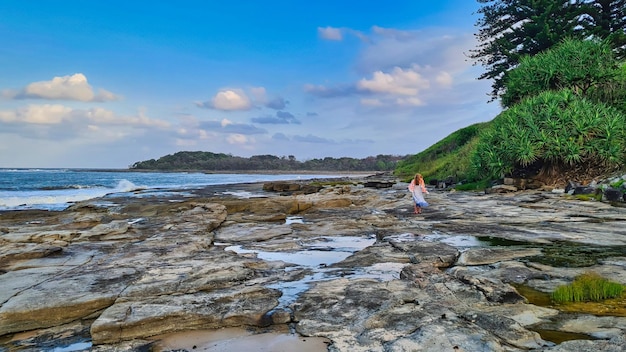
589	287
554	129
587	67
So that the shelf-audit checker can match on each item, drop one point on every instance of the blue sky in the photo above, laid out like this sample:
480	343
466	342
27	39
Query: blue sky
107	83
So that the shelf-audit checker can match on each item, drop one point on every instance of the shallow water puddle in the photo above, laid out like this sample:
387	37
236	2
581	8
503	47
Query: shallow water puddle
294	220
322	251
79	346
310	258
292	289
319	254
561	336
457	241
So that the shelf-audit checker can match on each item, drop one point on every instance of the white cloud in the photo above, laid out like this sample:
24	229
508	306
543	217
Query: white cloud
105	95
231	99
238	139
74	87
398	81
444	79
405	68
46	114
56	114
100	115
144	121
400	87
330	33
107	117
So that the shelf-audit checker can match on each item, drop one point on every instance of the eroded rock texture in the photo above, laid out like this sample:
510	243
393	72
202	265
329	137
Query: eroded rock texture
441	281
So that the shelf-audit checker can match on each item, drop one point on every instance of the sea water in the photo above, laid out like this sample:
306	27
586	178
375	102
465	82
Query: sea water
56	189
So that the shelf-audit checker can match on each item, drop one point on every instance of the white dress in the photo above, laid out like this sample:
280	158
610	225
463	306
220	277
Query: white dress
418	196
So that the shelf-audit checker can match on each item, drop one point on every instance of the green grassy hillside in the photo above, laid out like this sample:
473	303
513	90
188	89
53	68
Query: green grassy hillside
448	157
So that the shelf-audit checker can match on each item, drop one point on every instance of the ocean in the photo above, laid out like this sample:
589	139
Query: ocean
56	189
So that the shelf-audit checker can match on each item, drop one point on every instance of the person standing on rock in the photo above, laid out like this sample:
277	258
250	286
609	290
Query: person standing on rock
418	189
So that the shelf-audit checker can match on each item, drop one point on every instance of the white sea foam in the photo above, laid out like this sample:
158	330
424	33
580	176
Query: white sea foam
127	186
56	189
33	170
243	194
59	199
50	200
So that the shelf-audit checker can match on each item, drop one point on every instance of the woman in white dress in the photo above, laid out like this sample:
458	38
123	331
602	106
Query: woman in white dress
418	189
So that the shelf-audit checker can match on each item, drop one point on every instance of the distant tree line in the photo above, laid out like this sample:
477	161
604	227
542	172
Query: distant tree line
207	161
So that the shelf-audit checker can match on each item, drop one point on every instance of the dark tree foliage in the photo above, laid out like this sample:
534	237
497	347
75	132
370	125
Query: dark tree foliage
207	161
511	29
606	19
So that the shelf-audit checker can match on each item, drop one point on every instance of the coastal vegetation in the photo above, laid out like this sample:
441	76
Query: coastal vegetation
207	161
510	30
558	69
450	157
588	287
564	117
553	132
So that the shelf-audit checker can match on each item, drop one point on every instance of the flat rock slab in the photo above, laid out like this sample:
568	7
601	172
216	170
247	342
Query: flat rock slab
127	320
116	276
483	256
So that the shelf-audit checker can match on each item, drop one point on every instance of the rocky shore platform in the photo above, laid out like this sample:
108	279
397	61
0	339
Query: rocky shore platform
333	266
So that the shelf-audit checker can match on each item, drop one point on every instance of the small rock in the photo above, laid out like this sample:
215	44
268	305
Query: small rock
501	189
613	195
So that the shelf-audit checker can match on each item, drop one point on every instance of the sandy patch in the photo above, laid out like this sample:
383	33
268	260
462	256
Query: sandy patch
237	340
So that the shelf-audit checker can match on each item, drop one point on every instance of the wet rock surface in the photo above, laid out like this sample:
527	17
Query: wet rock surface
350	264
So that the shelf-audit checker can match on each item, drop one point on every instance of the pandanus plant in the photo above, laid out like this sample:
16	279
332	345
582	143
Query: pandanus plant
557	129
